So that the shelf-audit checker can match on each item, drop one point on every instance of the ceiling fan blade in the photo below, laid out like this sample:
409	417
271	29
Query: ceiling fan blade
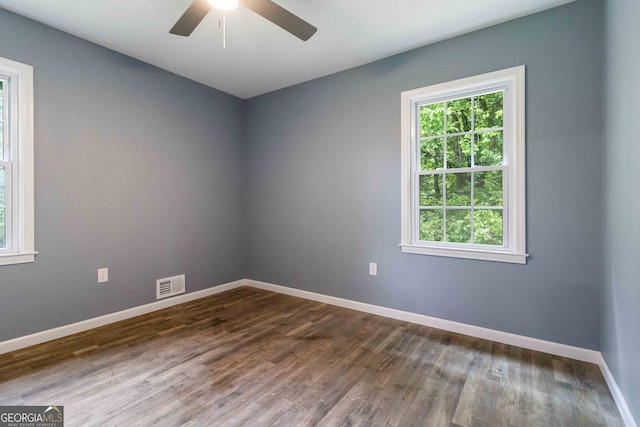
281	17
191	18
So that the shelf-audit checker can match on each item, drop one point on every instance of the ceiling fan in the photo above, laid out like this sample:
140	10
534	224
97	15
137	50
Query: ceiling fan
265	8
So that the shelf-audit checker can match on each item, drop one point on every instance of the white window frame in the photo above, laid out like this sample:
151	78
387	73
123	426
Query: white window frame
19	163
512	82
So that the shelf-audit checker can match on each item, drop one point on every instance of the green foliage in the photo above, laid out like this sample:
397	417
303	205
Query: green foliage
431	190
458	151
488	148
431	154
487	188
459	115
432	120
488	111
456	134
487	226
431	225
459	225
458	189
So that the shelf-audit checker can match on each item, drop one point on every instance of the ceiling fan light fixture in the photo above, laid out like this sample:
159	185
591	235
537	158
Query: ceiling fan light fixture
224	4
269	10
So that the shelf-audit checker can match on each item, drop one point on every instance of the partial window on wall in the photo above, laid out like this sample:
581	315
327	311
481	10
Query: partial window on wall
16	163
463	168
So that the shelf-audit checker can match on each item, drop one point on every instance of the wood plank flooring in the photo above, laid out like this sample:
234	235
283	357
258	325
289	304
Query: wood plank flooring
256	358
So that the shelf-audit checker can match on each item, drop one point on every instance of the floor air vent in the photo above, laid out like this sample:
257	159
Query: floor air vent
170	286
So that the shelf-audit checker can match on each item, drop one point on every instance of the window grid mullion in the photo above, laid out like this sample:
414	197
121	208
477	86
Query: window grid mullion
417	153
444	177
8	189
7	180
473	131
3	121
460	207
505	202
471	214
444	207
427	138
463	170
4	131
505	181
473	163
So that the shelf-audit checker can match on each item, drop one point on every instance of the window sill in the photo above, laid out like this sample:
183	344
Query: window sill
17	258
477	254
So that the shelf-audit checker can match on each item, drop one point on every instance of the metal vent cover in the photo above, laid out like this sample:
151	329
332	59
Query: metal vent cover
170	286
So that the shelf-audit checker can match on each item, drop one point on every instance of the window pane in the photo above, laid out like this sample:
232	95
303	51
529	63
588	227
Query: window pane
3	227
431	154
488	149
487	188
459	151
488	111
487	227
1	118
431	225
432	120
3	243
2	173
431	190
459	225
459	115
459	189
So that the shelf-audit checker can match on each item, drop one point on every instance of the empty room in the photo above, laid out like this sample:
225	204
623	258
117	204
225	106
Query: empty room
300	213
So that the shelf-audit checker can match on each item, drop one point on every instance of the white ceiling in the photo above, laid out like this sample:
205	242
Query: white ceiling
261	57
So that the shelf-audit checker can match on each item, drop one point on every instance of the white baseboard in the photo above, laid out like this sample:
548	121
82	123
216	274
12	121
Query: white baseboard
625	412
577	353
550	347
74	328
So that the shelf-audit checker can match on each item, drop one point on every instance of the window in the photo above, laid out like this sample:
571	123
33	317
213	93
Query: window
16	163
463	168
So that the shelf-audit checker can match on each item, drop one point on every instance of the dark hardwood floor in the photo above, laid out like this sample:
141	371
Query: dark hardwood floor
256	358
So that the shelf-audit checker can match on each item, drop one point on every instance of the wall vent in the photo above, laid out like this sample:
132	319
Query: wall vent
170	286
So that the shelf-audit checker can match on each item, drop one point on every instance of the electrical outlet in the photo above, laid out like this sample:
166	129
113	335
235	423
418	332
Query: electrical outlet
103	275
373	269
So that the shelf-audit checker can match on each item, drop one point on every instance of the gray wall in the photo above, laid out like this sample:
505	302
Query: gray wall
152	175
137	170
323	189
621	296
